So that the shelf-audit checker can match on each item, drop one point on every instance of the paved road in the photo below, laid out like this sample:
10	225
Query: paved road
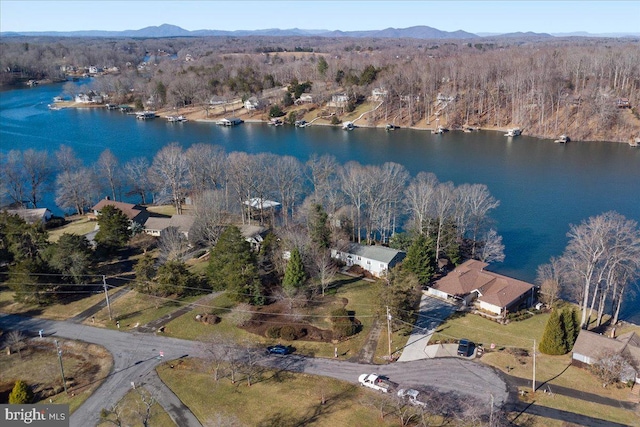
135	355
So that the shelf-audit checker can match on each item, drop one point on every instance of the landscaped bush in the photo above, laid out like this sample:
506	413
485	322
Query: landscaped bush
20	394
288	333
343	324
273	332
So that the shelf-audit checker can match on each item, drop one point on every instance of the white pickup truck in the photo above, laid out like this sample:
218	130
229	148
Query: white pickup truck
377	382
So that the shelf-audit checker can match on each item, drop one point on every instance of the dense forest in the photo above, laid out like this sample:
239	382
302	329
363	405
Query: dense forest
584	87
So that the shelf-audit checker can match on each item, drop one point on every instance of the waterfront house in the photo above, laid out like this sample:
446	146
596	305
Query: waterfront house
471	284
156	225
339	101
134	213
377	260
378	94
305	98
591	348
32	216
252	104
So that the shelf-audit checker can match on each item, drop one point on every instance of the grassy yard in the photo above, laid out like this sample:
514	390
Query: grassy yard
85	366
58	311
361	297
238	404
135	309
483	331
129	409
79	225
551	371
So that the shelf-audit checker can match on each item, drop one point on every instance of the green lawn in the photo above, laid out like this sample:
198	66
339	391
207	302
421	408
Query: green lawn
550	370
58	311
361	296
137	309
486	332
79	225
130	408
269	401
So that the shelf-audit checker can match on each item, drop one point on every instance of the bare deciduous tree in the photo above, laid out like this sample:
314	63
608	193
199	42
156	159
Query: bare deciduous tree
169	171
38	170
137	177
109	169
549	278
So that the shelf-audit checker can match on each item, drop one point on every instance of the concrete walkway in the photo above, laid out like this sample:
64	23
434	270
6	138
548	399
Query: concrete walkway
431	314
177	411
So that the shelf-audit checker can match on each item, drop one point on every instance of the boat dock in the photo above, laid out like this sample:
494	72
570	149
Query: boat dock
146	115
232	121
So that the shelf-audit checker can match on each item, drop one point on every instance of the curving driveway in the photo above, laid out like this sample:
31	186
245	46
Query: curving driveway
136	354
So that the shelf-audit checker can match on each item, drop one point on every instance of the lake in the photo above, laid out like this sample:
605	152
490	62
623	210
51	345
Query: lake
542	186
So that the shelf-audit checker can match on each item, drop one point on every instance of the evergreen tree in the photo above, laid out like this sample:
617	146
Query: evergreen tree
174	278
114	230
571	325
20	394
319	231
72	256
553	338
29	283
401	293
294	275
420	259
232	266
145	270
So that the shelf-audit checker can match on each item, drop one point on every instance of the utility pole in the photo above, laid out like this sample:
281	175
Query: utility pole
533	388
106	294
64	382
389	331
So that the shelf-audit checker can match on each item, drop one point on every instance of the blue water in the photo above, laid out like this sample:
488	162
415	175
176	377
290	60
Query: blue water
542	187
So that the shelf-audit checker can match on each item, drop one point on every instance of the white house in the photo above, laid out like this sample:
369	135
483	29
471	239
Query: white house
340	100
379	94
156	225
305	98
377	260
254	234
252	104
591	348
32	216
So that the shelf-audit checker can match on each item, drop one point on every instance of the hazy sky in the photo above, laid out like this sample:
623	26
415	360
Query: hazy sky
472	16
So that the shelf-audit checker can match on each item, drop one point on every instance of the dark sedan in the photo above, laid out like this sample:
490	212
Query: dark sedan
278	349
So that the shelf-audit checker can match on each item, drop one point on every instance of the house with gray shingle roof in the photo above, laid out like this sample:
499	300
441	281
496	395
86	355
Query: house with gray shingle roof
377	260
490	292
591	348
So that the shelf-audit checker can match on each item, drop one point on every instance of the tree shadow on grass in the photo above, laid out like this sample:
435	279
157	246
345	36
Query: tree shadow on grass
313	414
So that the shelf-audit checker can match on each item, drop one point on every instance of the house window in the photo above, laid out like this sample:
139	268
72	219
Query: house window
368	262
359	258
381	265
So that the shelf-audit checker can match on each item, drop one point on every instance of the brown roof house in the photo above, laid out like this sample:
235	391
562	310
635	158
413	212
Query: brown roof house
591	348
488	291
135	213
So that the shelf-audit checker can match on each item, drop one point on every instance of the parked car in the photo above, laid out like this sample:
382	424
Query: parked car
465	348
278	349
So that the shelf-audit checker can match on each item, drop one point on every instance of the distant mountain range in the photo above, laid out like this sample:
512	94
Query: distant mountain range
417	32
